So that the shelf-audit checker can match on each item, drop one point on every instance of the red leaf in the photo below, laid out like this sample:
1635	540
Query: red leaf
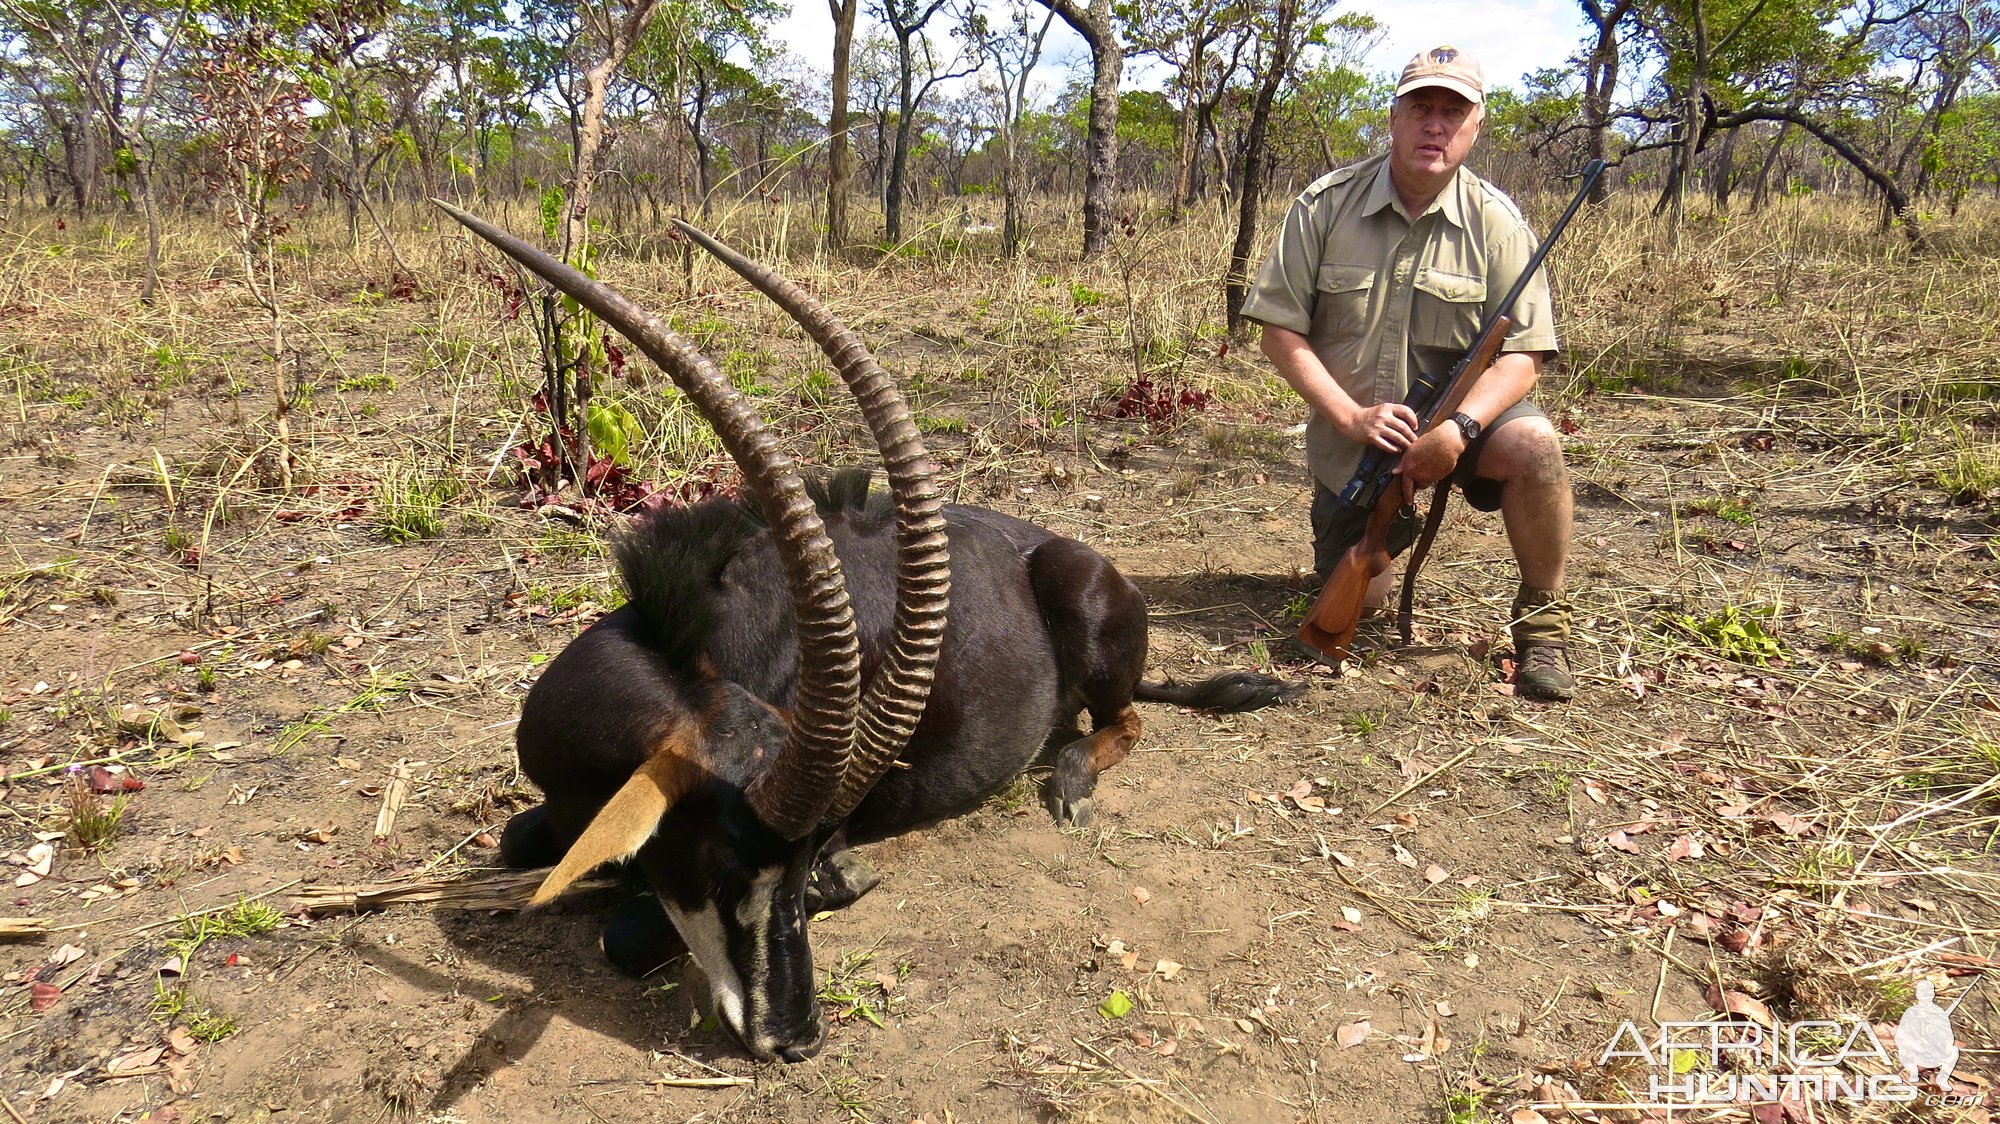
104	782
1737	1003
43	996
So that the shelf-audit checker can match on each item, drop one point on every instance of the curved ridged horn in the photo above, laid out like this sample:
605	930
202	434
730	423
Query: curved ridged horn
792	795
895	699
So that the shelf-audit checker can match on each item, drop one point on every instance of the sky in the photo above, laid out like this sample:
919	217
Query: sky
1510	38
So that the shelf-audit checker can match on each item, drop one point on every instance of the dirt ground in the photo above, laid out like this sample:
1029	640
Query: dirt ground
1408	896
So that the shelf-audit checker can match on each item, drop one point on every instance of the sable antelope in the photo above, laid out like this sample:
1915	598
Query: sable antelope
715	734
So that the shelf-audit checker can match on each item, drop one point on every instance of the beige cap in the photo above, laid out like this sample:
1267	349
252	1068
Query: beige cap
1446	67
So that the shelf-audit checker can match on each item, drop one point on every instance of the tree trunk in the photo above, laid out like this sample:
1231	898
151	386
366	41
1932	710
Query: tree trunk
899	155
1107	61
1770	162
1600	82
1100	176
1237	287
619	39
1722	173
1189	138
839	152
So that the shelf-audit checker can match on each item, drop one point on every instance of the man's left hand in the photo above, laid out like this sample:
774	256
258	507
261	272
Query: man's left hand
1430	458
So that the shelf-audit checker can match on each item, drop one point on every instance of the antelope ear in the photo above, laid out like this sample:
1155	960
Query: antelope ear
624	824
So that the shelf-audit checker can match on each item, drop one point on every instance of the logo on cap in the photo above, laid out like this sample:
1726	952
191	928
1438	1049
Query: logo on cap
1442	55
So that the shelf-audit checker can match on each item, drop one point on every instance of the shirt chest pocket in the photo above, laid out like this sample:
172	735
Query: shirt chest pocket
1341	305
1447	309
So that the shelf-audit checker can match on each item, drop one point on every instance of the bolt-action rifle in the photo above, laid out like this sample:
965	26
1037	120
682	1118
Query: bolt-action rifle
1330	625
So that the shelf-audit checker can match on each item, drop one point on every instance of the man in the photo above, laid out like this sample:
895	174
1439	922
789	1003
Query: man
1384	271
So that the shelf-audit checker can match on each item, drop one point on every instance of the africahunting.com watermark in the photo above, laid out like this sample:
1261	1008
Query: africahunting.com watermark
1715	1062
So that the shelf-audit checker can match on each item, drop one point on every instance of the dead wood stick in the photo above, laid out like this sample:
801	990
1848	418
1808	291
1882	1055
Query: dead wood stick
701	1082
12	1111
509	889
1412	786
11	927
393	796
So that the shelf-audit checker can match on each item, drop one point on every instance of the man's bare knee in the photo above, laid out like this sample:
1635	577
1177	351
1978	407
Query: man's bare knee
1526	450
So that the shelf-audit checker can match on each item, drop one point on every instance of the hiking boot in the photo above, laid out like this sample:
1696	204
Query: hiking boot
1541	645
1543	673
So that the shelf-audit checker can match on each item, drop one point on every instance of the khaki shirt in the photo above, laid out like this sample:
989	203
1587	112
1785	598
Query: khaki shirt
1380	297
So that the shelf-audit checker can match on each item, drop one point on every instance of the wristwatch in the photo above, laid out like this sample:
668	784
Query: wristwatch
1468	425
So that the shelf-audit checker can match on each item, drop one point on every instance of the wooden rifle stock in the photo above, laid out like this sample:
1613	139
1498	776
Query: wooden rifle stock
1329	628
1330	625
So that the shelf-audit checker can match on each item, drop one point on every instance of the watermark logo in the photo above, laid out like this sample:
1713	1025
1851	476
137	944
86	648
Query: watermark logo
1725	1061
1924	1038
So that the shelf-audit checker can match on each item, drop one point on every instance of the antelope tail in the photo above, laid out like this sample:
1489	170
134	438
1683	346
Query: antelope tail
624	824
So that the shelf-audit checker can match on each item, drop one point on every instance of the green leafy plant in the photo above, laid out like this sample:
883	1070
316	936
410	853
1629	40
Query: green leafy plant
1726	508
1733	632
614	432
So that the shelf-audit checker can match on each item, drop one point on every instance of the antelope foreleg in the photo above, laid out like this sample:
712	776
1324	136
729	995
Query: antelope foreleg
1079	764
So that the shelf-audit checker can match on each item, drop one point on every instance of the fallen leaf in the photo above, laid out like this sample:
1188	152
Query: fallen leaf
137	1059
42	996
1115	1006
110	780
1526	1116
1444	1008
1594	788
1435	874
1141	895
67	954
181	1041
485	840
1405	857
1790	824
1350	914
1168	969
1737	1003
1622	842
1684	847
1349	1035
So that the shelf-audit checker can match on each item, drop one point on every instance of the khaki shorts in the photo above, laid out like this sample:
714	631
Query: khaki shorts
1337	526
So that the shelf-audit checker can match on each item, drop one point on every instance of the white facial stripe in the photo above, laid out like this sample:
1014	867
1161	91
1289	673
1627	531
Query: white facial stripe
702	930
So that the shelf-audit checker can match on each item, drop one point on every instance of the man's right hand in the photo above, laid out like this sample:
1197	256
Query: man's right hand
1390	426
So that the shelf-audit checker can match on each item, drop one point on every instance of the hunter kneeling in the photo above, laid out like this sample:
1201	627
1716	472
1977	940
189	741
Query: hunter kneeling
1383	273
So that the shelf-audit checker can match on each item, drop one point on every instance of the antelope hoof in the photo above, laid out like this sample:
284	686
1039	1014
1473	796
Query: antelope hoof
838	881
639	939
528	842
1070	787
